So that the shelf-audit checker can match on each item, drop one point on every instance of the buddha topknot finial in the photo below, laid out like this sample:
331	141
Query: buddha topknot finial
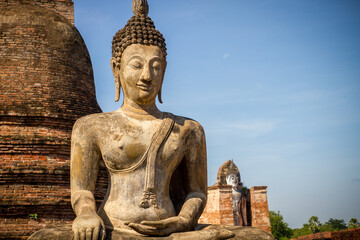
140	7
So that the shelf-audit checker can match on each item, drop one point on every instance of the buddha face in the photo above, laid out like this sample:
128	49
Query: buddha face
141	73
232	180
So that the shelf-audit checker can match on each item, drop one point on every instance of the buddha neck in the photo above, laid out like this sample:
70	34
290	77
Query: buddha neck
145	112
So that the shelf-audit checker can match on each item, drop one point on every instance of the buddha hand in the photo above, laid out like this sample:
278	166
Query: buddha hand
87	226
163	227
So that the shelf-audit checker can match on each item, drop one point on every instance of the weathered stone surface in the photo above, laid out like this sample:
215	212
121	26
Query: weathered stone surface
202	232
161	171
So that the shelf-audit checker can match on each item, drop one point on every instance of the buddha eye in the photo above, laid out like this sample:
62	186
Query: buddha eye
156	65
135	64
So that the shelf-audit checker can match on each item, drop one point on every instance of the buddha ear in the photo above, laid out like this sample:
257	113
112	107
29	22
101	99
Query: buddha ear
116	75
162	80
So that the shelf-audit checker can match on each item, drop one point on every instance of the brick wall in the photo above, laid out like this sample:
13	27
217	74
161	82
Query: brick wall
351	234
219	208
62	7
45	68
259	208
46	83
23	228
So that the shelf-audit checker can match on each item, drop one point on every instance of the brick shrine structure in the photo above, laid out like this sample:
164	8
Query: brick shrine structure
260	217
219	207
350	234
46	83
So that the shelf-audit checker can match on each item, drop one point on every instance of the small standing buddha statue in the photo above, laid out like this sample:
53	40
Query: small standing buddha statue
238	195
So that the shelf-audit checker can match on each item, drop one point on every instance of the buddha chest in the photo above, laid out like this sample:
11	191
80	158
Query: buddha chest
125	146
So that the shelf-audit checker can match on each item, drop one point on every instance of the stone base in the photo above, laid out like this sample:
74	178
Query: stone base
201	232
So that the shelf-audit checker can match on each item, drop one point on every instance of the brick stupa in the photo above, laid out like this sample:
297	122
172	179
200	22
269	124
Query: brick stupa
46	83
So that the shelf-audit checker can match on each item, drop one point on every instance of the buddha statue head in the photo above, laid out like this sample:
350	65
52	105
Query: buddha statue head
232	179
233	176
229	174
139	58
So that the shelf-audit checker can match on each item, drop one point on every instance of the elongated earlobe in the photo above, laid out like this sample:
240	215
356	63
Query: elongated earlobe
162	81
116	78
117	89
159	95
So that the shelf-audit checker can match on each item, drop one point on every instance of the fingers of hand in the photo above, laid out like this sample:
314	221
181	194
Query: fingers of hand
150	230
88	233
102	229
96	233
143	229
82	232
76	234
165	223
156	224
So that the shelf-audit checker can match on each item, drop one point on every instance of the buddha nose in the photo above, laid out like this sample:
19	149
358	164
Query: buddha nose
146	74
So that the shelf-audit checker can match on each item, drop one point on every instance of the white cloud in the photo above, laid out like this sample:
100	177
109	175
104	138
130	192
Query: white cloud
255	128
226	55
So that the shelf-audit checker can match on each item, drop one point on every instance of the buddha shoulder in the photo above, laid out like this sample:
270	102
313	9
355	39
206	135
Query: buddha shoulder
96	123
189	127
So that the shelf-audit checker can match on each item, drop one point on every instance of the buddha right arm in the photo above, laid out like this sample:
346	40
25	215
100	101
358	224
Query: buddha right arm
84	167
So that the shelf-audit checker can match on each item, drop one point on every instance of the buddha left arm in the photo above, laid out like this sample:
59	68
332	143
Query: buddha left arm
195	184
195	176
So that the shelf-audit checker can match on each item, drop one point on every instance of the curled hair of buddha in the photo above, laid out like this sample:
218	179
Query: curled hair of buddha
140	29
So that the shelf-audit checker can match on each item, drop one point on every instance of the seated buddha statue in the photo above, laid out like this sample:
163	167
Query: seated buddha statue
141	147
156	161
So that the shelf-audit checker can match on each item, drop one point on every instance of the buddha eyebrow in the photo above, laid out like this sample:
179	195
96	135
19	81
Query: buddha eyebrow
156	59
153	58
135	57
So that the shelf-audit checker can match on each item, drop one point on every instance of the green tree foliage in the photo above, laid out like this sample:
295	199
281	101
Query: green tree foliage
33	216
330	226
297	232
279	228
327	228
281	231
353	223
314	224
336	224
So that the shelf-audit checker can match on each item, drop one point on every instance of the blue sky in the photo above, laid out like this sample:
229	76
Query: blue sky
275	84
